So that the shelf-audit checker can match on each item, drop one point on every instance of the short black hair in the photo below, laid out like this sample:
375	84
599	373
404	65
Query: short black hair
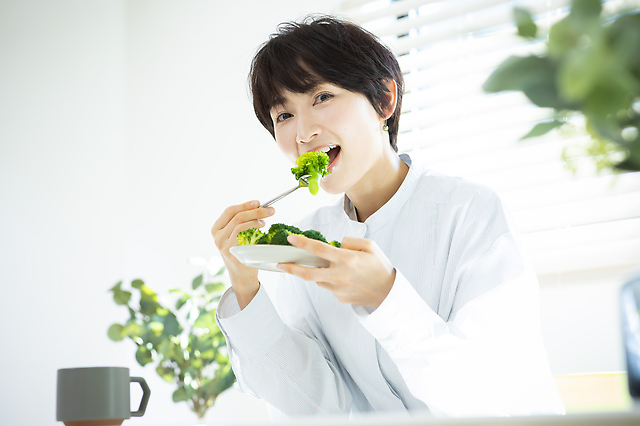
301	55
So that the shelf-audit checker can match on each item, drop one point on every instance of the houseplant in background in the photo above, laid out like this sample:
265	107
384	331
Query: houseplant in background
179	335
590	69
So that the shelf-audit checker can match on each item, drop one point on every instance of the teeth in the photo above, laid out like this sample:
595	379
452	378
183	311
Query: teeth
327	148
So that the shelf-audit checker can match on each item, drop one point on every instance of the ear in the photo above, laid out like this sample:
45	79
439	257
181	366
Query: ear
392	97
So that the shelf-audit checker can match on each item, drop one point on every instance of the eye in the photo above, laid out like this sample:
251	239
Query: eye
322	97
282	117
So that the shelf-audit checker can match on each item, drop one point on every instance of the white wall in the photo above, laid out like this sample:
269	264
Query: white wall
125	129
120	123
62	192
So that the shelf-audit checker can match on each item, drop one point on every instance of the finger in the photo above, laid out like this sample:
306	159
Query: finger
243	227
326	285
230	212
320	249
305	272
358	244
249	215
254	216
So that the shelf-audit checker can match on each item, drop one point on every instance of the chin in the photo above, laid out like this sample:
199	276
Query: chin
333	191
332	188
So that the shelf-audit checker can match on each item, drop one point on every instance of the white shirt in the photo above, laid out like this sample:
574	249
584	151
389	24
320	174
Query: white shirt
458	334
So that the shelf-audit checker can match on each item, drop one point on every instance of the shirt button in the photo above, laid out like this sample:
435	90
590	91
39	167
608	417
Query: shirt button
362	230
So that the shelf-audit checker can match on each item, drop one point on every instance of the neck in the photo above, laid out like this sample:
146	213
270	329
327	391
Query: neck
378	186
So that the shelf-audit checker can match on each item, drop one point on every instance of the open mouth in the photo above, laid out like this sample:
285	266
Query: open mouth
332	151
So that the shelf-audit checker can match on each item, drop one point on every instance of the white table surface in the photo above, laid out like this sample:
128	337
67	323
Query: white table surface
623	418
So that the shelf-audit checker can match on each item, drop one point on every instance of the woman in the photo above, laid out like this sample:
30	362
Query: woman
428	305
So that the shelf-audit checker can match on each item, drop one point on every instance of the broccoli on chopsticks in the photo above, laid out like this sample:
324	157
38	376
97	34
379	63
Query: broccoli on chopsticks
277	235
313	163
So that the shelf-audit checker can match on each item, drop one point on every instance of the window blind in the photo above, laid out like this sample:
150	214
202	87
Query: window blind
571	223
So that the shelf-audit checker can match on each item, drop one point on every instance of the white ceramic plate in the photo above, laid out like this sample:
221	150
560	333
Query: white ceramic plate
262	256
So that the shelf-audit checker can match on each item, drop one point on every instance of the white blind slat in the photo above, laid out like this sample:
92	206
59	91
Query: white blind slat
584	212
478	123
456	11
567	188
396	8
479	22
575	236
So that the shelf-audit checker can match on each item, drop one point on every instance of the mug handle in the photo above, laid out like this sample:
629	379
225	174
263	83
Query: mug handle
146	392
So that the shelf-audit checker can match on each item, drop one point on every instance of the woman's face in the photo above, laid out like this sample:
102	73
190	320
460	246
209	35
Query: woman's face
337	121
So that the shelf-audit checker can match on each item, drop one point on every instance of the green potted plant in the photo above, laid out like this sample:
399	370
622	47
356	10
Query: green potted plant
590	69
180	337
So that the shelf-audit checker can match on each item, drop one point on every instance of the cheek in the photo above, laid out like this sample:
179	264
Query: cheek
289	149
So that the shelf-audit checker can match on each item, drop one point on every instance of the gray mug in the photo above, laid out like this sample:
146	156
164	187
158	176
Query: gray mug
96	396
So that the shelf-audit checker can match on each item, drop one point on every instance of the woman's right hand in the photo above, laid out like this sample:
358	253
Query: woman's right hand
234	220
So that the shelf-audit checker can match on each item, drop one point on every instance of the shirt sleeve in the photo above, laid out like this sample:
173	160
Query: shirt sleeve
291	369
488	357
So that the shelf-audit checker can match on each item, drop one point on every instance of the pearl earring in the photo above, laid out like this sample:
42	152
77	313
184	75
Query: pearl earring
385	128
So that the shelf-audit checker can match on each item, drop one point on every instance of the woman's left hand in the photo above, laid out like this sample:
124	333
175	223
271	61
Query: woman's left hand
359	274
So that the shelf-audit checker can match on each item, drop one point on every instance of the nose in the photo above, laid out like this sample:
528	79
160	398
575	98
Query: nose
307	129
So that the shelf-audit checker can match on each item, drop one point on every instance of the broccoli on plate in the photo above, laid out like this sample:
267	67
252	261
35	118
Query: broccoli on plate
250	236
277	235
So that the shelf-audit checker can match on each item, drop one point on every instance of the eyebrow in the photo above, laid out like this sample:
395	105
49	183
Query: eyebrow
280	101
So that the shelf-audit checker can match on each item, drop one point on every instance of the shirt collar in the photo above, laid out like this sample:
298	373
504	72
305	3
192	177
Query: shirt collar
391	208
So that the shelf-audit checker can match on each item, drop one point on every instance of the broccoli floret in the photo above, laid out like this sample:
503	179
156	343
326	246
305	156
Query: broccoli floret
265	239
335	244
274	229
277	226
314	235
280	238
250	236
313	163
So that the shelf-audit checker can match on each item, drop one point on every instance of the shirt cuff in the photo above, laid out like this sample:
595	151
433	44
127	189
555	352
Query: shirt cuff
253	329
394	322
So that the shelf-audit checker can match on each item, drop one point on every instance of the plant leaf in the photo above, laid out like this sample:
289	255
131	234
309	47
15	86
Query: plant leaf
223	380
147	293
196	282
206	320
148	300
156	327
171	325
526	27
180	303
585	9
509	74
138	283
214	287
180	395
166	373
121	297
542	128
132	329
115	332
631	163
196	363
534	76
143	356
